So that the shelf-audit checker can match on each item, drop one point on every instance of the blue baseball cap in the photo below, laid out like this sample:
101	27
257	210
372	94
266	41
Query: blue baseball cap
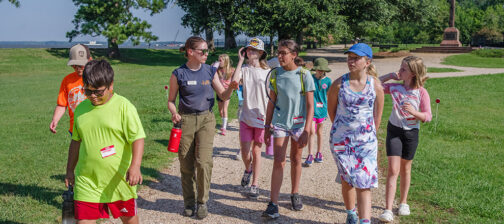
361	49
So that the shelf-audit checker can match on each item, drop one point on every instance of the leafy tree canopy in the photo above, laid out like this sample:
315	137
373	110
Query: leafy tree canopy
114	20
14	2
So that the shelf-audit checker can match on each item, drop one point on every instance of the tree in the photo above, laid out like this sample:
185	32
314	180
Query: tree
289	19
200	18
114	20
14	2
212	15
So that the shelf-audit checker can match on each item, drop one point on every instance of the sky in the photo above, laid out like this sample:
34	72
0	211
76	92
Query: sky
49	20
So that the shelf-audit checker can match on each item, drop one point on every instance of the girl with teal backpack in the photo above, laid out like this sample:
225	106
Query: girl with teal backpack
289	116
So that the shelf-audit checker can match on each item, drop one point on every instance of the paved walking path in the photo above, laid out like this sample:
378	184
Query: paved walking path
162	202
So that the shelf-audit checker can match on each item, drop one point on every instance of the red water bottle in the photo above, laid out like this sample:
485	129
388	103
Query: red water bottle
176	133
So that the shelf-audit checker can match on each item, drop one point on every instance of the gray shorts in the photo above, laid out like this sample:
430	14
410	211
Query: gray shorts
280	132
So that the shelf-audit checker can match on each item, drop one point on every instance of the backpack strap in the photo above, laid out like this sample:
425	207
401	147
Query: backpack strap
302	72
272	80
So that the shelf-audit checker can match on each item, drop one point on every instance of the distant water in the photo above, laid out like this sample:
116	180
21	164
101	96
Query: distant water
64	44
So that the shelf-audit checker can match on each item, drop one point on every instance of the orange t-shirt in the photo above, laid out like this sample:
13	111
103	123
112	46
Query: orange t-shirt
71	94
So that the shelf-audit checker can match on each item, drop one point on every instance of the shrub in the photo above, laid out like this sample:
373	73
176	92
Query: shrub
489	53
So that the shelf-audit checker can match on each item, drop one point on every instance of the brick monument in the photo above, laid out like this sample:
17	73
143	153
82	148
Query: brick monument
451	34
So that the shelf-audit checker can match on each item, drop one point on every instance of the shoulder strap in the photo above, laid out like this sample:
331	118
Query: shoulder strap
272	80
302	72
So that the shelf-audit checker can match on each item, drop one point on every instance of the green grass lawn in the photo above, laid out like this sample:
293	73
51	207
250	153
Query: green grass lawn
440	70
458	172
473	60
34	160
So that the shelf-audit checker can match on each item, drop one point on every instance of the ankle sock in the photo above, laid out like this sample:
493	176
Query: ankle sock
361	221
351	211
224	123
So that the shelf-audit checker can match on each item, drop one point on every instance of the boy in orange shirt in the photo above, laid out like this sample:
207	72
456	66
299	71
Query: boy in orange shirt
70	93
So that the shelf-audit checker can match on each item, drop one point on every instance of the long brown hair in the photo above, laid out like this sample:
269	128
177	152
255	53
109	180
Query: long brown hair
191	43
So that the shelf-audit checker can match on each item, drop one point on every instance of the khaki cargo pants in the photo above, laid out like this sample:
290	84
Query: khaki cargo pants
195	156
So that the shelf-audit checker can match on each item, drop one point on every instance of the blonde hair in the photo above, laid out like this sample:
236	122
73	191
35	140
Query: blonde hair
264	64
226	65
371	69
418	68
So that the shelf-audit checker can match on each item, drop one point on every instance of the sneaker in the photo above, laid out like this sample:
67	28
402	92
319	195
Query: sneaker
309	161
246	178
223	132
189	210
202	211
297	204
253	192
387	216
352	218
403	209
271	211
237	156
319	158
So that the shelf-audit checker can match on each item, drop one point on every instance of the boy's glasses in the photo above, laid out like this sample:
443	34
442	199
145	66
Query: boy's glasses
97	92
77	67
203	51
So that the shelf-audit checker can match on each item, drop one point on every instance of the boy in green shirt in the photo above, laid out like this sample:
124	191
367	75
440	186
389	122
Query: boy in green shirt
106	150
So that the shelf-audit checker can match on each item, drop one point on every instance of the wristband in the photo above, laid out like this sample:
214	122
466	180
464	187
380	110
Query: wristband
267	126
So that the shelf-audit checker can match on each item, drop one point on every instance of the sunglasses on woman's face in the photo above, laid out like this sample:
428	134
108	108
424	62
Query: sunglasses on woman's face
203	51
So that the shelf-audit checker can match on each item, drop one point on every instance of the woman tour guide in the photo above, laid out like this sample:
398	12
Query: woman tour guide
196	82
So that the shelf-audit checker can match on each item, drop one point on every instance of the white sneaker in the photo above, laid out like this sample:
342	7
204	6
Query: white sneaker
387	216
403	209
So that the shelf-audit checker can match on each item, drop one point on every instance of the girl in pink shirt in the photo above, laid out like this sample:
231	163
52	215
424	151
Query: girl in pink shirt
411	104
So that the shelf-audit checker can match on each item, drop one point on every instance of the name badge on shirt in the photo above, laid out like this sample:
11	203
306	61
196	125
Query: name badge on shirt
192	83
298	120
108	151
339	147
412	121
320	105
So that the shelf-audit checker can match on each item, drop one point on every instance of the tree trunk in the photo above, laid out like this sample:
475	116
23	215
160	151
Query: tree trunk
229	36
299	40
210	38
272	46
283	35
113	48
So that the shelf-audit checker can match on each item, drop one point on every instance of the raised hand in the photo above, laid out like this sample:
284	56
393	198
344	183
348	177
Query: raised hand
241	54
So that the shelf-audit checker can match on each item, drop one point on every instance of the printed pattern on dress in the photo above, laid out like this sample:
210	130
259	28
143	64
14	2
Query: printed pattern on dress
353	136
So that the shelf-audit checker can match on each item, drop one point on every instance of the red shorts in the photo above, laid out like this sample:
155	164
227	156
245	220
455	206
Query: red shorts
93	211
